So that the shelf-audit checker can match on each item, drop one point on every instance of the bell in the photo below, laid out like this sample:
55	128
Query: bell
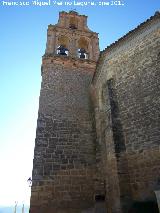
82	53
62	50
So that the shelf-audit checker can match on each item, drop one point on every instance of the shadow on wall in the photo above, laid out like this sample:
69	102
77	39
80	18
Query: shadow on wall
144	207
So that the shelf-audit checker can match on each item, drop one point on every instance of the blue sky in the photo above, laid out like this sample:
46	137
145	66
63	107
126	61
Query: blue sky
22	41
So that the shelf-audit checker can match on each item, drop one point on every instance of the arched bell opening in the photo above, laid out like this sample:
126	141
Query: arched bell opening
62	48
83	48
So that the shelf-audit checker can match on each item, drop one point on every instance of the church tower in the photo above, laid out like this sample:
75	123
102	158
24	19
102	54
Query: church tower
63	178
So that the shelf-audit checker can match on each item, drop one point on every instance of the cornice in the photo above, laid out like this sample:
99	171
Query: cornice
57	28
67	61
134	32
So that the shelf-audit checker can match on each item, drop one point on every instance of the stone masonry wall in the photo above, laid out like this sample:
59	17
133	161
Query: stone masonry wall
64	156
128	117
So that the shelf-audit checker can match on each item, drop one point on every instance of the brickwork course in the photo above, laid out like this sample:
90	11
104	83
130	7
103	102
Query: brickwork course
97	146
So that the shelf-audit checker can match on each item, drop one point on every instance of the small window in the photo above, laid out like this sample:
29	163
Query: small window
72	27
73	23
100	198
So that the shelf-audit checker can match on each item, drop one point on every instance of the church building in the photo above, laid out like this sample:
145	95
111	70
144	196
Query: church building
97	146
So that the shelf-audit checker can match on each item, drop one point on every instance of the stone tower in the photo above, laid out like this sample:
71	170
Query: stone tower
63	179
